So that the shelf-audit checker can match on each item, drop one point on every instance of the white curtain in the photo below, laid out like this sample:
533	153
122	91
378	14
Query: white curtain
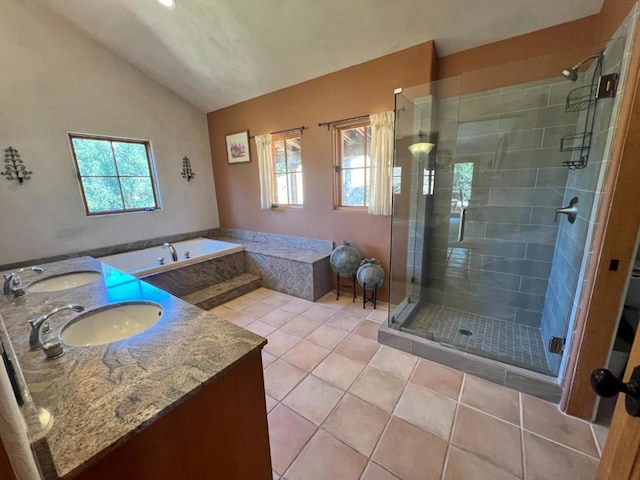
381	172
265	167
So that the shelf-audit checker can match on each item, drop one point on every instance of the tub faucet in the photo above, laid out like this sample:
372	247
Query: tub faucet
40	326
172	249
8	277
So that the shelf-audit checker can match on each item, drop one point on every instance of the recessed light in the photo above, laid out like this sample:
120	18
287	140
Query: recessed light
167	3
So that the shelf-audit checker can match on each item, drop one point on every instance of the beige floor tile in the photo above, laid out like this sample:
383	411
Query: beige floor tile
271	402
491	398
327	337
275	476
257	310
288	434
378	388
378	315
279	342
239	319
301	326
240	302
267	359
278	299
547	420
368	329
463	465
260	293
357	423
394	362
601	433
313	399
260	328
438	378
357	348
297	306
545	460
410	452
355	309
280	378
278	317
222	311
376	472
489	438
330	301
306	355
428	410
344	321
338	370
326	458
319	313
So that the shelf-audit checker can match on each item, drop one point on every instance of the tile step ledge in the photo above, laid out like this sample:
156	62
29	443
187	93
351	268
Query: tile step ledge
215	295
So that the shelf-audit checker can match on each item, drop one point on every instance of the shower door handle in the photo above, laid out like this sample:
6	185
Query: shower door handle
463	219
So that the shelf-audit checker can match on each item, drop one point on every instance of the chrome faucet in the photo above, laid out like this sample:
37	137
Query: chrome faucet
8	277
40	326
172	249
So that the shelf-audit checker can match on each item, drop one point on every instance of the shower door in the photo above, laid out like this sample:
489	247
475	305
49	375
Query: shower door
480	260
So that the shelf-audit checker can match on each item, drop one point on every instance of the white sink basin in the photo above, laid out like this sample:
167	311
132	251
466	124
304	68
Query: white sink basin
63	281
111	323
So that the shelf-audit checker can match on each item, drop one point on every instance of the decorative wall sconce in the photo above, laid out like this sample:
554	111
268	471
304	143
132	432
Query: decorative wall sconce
15	170
186	169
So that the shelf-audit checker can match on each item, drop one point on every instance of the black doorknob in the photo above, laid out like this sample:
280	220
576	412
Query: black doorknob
605	384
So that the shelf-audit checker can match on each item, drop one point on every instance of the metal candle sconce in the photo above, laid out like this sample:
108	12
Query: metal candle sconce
186	169
15	170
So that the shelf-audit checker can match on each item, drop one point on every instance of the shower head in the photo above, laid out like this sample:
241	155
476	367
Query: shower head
572	73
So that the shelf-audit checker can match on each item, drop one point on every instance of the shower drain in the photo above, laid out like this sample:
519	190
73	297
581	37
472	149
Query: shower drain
464	331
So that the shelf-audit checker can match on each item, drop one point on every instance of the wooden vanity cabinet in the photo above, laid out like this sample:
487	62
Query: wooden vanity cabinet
218	433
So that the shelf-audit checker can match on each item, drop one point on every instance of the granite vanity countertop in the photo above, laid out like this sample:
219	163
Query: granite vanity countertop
101	395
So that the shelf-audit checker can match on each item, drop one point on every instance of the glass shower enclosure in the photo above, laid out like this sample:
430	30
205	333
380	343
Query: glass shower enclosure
482	260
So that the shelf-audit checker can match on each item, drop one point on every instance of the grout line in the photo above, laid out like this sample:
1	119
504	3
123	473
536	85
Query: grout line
595	439
524	459
453	426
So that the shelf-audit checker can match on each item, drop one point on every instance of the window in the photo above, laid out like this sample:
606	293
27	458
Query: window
353	143
287	160
115	174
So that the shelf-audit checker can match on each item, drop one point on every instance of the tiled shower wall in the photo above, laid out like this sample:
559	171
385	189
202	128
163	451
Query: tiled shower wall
511	136
569	261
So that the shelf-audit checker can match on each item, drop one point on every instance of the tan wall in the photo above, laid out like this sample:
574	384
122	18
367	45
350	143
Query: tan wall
358	90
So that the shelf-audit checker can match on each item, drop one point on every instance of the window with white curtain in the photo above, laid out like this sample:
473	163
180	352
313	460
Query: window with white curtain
287	169
352	164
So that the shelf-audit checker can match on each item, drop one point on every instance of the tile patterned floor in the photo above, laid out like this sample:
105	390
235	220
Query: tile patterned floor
341	406
513	343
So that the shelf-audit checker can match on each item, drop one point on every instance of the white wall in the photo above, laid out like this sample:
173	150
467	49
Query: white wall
54	80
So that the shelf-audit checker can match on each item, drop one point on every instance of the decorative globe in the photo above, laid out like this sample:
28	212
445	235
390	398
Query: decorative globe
345	259
370	273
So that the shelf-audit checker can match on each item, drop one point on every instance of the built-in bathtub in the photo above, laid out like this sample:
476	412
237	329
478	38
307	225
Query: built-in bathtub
143	263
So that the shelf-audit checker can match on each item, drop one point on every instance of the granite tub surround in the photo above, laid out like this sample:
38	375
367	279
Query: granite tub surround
300	243
191	278
286	264
101	396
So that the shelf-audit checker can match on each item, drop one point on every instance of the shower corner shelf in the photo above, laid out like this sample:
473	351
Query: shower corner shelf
580	98
578	142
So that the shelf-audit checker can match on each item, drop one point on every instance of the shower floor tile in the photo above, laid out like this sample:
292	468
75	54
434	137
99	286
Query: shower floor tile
510	342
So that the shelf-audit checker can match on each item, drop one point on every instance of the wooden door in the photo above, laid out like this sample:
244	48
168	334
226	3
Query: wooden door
621	456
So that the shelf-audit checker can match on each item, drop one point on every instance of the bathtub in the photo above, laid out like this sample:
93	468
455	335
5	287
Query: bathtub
141	263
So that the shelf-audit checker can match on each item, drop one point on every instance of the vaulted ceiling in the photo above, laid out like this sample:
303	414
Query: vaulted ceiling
216	53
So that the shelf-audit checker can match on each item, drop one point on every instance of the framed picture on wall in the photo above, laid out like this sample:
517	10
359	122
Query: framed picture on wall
238	148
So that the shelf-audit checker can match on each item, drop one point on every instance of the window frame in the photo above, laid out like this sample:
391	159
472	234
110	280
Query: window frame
150	165
337	164
279	137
